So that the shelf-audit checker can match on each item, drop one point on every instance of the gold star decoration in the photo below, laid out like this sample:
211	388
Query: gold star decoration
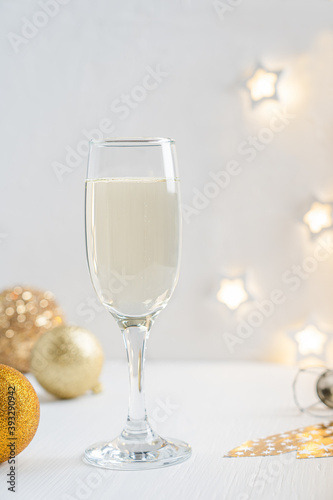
314	441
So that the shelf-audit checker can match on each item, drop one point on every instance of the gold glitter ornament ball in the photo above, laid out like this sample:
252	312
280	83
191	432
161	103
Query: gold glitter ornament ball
67	361
19	412
25	314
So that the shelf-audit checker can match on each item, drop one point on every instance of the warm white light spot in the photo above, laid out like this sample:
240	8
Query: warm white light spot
310	340
318	217
232	293
26	295
262	84
40	321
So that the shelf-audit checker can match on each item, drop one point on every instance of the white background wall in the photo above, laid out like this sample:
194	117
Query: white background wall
65	79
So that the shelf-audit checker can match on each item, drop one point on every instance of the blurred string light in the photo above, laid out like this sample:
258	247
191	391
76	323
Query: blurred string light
262	84
318	217
232	293
310	340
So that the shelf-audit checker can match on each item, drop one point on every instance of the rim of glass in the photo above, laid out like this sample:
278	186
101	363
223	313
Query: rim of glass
131	141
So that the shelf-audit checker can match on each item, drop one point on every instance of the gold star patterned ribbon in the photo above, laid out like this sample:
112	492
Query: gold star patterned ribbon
313	441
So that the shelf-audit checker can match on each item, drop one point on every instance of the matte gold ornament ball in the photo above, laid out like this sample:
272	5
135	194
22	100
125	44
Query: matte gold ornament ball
67	361
25	314
19	412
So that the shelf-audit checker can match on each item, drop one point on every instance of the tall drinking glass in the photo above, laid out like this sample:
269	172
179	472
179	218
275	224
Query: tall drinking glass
133	238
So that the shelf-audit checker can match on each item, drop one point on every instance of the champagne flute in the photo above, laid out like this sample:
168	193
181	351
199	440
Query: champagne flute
133	239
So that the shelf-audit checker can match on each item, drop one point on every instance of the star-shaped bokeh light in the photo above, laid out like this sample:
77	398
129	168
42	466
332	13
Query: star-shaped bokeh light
318	217
262	84
310	340
232	293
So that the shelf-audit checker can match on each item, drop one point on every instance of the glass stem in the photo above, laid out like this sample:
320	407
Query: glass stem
137	425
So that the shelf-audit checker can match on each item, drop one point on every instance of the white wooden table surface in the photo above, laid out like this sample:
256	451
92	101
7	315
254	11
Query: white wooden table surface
213	406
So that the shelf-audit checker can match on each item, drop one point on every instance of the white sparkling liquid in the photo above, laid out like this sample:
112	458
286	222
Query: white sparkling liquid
133	240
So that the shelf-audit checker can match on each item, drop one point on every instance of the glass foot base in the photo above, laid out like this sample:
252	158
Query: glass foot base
119	455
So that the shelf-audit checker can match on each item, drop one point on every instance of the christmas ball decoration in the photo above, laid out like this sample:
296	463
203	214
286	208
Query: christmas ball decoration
25	314
19	412
67	361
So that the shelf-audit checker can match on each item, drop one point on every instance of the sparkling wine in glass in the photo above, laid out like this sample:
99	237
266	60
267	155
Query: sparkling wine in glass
133	238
